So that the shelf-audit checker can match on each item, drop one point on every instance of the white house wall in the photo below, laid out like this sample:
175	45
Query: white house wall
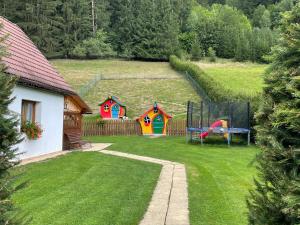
49	114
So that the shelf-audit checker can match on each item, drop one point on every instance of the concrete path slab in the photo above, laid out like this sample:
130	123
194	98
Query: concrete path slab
94	147
43	157
169	203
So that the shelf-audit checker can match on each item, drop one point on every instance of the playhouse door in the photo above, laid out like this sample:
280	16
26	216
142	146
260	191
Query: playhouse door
158	124
115	111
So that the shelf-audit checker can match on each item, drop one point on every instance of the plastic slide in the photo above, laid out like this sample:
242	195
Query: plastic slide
218	123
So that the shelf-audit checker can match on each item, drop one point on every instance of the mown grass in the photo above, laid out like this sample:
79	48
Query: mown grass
241	78
86	188
225	80
218	177
129	81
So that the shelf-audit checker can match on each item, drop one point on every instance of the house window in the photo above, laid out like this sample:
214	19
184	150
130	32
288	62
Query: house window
28	111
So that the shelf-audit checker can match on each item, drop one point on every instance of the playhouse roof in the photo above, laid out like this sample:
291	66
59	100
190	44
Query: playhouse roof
114	98
152	108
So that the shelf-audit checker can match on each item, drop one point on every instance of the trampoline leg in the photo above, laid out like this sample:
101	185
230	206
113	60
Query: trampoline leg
201	138
248	138
228	139
187	136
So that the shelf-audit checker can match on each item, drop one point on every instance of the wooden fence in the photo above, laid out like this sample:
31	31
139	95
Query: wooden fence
176	128
127	128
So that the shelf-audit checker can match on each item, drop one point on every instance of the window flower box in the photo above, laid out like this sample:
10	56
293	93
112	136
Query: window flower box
32	130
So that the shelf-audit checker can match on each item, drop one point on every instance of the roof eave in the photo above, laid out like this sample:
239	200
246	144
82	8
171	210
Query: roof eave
35	84
38	85
85	108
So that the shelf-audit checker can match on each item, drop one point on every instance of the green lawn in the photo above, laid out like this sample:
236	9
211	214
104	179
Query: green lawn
245	78
218	177
87	188
129	80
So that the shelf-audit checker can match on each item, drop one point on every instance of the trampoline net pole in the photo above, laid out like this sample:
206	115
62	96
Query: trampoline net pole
188	115
208	115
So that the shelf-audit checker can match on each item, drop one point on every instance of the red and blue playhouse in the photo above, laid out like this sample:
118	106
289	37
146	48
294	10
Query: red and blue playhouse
112	108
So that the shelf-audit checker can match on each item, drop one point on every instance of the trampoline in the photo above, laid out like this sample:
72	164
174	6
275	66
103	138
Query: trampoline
221	118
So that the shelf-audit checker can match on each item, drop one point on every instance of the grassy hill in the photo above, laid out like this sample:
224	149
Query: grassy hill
245	78
137	84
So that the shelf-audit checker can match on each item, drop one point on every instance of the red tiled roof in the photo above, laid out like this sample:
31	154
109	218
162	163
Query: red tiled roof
27	62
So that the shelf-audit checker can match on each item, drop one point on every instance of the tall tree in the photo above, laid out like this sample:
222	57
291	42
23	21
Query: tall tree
276	199
182	8
77	23
102	14
122	17
9	137
257	15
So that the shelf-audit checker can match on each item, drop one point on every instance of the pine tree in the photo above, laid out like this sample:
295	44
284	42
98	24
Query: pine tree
242	51
77	23
276	199
155	30
9	137
122	20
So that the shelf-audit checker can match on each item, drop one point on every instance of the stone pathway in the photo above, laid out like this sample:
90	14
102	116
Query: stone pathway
169	203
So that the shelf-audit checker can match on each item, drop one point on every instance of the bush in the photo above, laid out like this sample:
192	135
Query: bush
196	51
182	54
211	53
79	51
186	40
95	47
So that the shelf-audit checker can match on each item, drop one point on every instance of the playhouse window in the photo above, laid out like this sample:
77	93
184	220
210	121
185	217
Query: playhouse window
106	107
147	119
28	111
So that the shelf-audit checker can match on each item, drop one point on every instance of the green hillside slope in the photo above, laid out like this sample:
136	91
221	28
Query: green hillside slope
137	84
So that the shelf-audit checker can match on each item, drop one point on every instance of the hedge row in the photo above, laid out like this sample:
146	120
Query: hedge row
214	90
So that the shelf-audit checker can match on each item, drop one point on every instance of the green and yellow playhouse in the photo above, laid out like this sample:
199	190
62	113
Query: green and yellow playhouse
154	121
